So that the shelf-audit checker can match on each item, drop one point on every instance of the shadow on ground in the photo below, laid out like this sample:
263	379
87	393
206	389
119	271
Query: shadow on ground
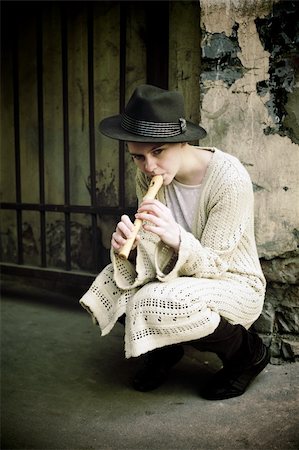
65	387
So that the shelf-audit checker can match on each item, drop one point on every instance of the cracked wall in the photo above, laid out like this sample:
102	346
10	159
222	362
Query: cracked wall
249	106
279	34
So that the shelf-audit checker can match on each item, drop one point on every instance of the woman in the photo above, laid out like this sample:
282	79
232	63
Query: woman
193	275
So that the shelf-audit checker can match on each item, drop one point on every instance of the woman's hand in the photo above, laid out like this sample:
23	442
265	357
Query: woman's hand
161	220
123	232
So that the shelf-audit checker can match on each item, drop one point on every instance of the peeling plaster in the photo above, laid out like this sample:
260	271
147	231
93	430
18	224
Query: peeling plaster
219	15
220	57
279	33
236	116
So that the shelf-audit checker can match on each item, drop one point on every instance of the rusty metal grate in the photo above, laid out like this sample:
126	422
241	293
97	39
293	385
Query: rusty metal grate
157	72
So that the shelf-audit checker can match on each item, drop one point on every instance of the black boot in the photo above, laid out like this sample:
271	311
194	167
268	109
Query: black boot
244	356
233	379
156	367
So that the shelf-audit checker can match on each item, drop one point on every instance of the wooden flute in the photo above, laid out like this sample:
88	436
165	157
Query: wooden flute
152	191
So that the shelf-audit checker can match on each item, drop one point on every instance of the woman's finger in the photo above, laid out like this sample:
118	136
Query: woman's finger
124	229
152	205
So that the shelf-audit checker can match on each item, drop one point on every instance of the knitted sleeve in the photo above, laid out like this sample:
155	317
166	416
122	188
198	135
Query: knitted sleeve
126	274
229	214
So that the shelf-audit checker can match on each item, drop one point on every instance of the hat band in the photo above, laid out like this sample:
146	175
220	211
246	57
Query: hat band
153	129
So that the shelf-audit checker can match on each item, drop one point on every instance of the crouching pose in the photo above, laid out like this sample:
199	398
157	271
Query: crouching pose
193	275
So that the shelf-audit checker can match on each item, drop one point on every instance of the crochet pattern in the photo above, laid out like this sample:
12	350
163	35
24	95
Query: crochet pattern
171	298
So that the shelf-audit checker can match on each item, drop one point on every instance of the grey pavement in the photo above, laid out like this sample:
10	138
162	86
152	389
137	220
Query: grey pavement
66	387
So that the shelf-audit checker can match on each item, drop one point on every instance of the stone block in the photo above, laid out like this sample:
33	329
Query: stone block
290	348
281	270
276	350
265	322
282	294
287	319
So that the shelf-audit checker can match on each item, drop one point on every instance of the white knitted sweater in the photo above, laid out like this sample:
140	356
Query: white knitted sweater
169	299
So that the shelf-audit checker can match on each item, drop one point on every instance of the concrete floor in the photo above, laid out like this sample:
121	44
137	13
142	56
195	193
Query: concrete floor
65	387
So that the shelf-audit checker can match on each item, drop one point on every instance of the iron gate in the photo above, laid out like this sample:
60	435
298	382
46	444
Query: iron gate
150	20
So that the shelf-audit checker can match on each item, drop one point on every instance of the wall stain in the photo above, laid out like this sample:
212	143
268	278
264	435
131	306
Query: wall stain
219	57
257	187
81	245
8	245
295	233
106	190
29	241
279	34
82	103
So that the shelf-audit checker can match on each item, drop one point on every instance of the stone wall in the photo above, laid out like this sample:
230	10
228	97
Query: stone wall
249	106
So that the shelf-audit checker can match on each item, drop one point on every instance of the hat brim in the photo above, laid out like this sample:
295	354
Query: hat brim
111	127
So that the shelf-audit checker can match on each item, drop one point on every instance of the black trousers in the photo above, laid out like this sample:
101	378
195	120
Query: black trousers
231	343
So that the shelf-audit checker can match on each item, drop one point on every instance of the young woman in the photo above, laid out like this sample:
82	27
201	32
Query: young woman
193	275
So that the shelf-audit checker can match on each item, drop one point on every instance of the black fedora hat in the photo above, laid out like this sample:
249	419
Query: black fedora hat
152	115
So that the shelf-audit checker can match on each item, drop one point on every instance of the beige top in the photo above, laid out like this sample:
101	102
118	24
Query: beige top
182	200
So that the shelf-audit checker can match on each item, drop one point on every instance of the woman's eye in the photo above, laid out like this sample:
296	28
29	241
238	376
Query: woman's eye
157	152
137	157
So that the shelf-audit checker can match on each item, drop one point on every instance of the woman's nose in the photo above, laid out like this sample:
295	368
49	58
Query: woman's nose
149	165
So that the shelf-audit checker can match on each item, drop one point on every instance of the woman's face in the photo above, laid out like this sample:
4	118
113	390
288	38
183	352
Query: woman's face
157	158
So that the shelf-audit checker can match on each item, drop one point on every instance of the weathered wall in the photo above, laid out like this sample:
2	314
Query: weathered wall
249	105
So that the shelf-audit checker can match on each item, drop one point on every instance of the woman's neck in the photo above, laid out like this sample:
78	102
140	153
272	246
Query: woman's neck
194	165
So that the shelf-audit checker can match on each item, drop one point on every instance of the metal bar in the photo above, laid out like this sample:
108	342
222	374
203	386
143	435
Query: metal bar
91	104
122	99
40	112
76	278
92	156
67	209
157	43
64	51
15	69
76	209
